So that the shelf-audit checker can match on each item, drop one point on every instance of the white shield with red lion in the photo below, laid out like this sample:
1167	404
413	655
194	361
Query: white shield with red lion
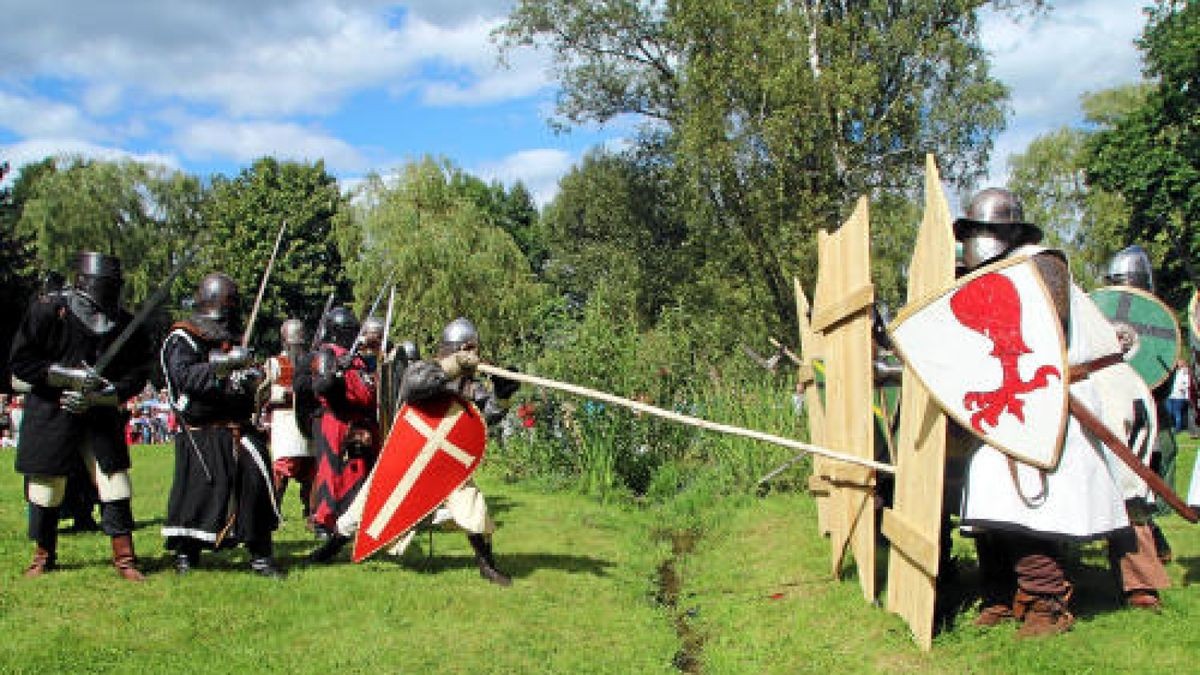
433	448
991	351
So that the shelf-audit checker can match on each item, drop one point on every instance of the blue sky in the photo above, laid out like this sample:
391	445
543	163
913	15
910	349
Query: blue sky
208	85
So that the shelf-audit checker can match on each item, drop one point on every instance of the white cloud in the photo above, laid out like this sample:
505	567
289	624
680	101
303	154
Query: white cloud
266	58
37	149
1050	61
37	116
247	141
539	169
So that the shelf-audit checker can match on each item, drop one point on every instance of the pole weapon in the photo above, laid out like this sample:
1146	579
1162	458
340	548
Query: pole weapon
262	286
684	419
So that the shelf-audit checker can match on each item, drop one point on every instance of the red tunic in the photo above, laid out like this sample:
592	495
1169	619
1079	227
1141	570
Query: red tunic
347	441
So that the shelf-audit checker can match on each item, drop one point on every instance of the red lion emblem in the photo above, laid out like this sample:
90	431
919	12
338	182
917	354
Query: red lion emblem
991	305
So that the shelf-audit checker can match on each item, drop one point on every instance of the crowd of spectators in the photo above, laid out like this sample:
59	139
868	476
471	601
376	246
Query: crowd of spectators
11	409
151	419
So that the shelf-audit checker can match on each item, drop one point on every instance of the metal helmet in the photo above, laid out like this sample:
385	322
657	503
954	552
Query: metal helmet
291	332
341	327
408	352
98	276
217	298
372	331
458	334
1131	267
993	225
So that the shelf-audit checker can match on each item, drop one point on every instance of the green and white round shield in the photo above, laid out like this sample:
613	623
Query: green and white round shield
1146	327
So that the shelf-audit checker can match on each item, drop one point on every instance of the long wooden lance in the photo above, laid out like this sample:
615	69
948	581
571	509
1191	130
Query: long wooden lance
684	419
1095	425
262	286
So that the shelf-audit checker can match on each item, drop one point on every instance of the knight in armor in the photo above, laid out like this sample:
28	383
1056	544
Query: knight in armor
453	372
222	494
345	433
1020	515
1140	558
74	413
291	450
370	342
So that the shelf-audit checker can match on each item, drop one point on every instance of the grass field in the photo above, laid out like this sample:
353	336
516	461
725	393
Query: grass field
737	585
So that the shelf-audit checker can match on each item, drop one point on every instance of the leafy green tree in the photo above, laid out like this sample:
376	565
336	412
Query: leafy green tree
775	117
425	230
18	271
142	213
1151	157
243	216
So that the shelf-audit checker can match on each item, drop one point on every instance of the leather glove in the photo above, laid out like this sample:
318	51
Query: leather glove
77	379
459	363
503	387
227	362
76	402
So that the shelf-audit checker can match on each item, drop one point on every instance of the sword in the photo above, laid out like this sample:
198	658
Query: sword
149	306
262	287
316	338
1093	424
685	419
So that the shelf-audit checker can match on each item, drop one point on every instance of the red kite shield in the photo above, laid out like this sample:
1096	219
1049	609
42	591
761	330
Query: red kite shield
991	351
433	448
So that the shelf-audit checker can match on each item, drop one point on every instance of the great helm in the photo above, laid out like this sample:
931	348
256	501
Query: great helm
1131	267
993	225
217	298
458	334
98	276
341	327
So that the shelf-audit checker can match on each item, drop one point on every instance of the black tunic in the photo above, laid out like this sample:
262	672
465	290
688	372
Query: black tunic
51	437
222	492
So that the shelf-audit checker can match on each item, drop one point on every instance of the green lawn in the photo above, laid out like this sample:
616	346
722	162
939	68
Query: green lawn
593	593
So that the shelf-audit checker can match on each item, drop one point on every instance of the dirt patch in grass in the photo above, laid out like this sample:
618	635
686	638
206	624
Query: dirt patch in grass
669	581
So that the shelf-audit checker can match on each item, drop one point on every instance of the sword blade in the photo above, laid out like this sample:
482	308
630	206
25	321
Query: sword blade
262	286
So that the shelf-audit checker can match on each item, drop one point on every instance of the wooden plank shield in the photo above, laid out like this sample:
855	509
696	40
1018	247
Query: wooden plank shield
433	448
1143	321
991	351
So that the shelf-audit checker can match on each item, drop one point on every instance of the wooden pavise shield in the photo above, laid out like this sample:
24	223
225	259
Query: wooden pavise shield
991	351
913	523
842	320
811	375
433	448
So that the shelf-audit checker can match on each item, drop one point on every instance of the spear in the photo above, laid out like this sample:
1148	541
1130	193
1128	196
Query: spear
683	419
262	287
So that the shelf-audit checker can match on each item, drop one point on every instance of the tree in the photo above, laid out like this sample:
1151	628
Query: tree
447	257
243	215
18	270
1151	157
1050	178
776	116
142	213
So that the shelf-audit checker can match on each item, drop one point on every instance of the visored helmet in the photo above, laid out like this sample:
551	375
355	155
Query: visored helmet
98	276
1131	267
993	225
341	327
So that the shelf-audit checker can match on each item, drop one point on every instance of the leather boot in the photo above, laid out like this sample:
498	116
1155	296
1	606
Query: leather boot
994	614
124	559
43	530
487	564
1043	614
325	552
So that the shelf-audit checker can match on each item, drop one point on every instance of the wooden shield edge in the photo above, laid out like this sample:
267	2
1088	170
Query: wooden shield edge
809	350
1153	299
